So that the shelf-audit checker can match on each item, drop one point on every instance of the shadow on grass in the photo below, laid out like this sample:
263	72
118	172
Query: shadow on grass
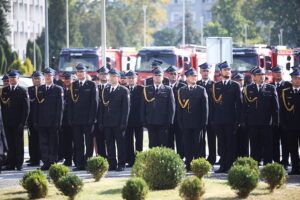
111	191
15	193
223	198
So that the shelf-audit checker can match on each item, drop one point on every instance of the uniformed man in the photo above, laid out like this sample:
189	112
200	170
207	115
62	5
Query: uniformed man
66	130
99	134
158	109
57	80
33	136
96	79
15	110
113	118
226	115
261	112
49	118
211	136
291	118
192	116
135	126
5	80
156	64
82	111
242	139
279	136
123	80
175	132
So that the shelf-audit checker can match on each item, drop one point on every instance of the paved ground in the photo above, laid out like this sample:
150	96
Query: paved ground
10	179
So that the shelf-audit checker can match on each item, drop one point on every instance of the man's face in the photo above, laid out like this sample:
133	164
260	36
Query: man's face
5	82
37	81
81	75
192	79
103	77
259	78
296	81
172	77
49	79
204	74
277	76
123	81
157	79
113	79
13	80
131	81
226	73
241	82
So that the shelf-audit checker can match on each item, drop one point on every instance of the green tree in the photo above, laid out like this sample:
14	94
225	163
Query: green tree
192	36
29	54
214	29
3	61
165	37
27	67
4	27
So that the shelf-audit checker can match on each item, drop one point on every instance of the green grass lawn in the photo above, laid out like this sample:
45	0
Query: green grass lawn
110	189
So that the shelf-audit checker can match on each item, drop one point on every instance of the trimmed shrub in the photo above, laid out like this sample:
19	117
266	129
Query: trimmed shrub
29	174
160	167
135	189
243	179
70	185
246	161
56	171
200	167
274	174
36	186
97	166
192	188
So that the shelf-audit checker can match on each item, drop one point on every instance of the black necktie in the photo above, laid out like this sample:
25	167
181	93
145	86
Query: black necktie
12	88
260	86
47	88
277	85
112	89
80	84
296	91
131	89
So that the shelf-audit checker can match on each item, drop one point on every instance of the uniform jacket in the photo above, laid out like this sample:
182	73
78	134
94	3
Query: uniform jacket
82	109
33	106
136	96
195	114
263	111
208	89
161	110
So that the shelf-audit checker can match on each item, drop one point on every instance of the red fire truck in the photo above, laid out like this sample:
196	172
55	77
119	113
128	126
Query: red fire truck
296	53
121	59
177	56
284	57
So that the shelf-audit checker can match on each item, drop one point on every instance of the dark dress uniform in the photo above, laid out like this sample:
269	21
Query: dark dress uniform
157	113
33	138
226	115
58	82
135	126
82	110
192	117
3	142
49	119
290	123
175	130
113	118
279	136
99	133
15	110
211	136
261	110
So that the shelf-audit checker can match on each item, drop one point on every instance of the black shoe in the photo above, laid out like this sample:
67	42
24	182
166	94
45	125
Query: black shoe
45	167
8	168
76	169
19	168
221	170
68	163
294	172
33	164
28	161
120	168
112	169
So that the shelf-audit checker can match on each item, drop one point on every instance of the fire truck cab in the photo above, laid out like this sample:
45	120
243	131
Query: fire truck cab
296	53
284	57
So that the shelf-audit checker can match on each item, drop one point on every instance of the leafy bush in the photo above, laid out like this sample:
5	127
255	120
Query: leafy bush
160	167
56	171
243	179
97	166
200	167
70	185
246	161
29	174
36	186
192	188
274	174
135	189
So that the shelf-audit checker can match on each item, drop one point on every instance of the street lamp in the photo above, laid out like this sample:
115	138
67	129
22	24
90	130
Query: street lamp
201	24
281	36
183	22
145	24
46	36
103	34
67	22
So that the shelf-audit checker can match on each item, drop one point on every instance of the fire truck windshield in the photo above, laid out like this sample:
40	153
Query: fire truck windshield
68	63
143	63
244	63
298	59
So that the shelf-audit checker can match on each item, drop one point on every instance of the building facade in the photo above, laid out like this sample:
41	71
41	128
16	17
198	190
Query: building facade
26	20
